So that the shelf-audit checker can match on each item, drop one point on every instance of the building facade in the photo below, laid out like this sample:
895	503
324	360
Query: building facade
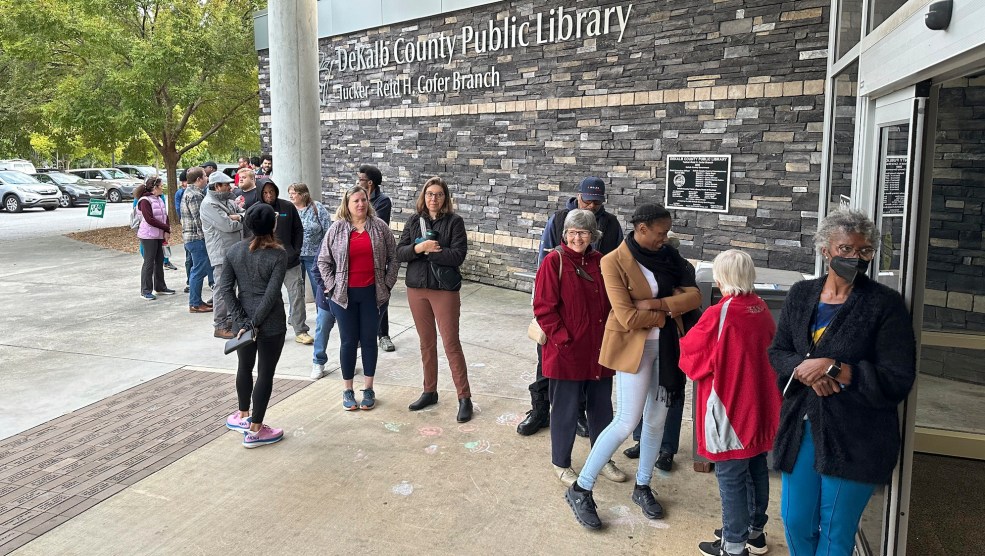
513	103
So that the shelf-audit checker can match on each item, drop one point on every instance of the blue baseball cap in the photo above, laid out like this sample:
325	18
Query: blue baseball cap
592	189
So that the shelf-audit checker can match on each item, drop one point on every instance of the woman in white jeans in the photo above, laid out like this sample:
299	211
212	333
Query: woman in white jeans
648	284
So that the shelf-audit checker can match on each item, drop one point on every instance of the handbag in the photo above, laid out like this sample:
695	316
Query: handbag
447	277
534	331
248	337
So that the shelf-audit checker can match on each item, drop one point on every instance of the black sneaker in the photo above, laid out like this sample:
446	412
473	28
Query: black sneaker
536	419
632	453
643	497
754	546
665	462
583	505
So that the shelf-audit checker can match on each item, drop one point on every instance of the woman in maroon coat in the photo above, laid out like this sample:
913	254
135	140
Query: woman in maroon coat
571	306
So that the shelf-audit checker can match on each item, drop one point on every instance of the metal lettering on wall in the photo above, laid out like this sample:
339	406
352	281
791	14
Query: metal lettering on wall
699	182
555	26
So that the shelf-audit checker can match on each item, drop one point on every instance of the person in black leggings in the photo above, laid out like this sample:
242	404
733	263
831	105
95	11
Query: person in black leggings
258	266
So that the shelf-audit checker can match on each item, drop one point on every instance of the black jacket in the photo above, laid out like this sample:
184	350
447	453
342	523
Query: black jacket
289	230
251	283
856	431
381	204
454	246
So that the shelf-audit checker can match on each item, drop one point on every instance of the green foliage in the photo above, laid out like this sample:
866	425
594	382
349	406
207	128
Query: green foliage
178	73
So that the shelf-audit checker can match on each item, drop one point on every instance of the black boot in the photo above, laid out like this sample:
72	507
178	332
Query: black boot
665	462
581	427
537	418
464	410
426	399
633	452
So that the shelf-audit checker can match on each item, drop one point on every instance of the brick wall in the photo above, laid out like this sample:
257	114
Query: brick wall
688	77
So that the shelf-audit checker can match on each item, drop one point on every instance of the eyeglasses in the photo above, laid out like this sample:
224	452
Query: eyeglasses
863	252
578	233
438	195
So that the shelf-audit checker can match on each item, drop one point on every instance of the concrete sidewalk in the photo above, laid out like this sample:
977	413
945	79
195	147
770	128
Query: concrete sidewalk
390	481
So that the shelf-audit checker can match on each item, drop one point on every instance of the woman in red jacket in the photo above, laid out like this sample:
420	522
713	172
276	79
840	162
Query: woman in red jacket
738	404
571	307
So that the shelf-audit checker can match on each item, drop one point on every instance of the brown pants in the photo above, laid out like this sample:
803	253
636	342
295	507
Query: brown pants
428	306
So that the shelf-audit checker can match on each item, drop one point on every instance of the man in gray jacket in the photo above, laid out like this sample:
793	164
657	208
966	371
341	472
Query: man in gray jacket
222	223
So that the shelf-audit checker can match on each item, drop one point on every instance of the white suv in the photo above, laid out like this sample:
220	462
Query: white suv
19	191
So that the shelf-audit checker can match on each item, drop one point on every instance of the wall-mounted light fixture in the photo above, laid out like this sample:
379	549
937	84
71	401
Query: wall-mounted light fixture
939	15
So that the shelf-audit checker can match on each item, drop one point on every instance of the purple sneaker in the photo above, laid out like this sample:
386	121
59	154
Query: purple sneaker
265	435
236	423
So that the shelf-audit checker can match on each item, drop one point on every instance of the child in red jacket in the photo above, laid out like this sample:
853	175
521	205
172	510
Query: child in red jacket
737	404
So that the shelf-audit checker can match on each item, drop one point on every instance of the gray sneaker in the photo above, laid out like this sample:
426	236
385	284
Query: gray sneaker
386	344
349	401
369	399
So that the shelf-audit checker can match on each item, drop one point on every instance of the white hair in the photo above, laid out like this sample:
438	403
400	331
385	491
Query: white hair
734	271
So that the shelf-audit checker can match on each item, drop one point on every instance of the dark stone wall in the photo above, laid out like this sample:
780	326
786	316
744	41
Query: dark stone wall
689	77
955	295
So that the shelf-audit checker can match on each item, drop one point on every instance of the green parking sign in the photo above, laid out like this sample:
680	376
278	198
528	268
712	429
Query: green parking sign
97	208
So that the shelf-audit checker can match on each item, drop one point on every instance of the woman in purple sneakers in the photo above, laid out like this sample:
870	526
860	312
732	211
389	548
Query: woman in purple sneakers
258	266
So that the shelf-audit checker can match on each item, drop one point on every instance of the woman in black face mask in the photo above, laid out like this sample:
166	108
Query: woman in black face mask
844	353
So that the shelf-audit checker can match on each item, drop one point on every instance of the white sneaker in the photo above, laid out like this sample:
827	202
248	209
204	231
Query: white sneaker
613	473
317	371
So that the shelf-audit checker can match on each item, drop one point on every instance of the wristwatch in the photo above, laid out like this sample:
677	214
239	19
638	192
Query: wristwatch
834	370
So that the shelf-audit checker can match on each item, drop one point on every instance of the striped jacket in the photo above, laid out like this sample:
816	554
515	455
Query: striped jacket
333	261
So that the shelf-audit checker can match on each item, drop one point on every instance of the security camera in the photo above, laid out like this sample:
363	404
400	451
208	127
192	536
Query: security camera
939	15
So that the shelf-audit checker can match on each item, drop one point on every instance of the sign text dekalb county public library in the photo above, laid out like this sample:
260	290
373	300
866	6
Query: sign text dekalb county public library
556	26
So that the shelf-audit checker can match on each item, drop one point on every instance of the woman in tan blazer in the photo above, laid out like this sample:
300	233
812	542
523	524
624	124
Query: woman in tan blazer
648	284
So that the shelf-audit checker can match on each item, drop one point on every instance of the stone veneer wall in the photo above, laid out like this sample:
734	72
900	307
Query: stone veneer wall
689	77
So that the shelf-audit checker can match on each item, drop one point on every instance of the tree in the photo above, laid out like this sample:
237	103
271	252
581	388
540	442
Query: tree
177	72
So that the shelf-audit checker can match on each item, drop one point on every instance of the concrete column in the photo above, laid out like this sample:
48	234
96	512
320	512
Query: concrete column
294	106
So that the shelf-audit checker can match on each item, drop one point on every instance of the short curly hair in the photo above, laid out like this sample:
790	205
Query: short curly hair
583	220
847	221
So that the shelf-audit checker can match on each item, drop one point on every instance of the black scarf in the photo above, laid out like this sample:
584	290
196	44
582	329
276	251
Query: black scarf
667	267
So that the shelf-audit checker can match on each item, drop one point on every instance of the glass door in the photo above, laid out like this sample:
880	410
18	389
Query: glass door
893	147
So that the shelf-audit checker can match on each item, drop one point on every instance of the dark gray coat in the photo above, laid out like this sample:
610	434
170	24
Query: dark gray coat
259	276
856	432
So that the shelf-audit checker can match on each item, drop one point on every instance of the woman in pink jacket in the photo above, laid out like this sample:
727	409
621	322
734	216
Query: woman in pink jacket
738	404
154	232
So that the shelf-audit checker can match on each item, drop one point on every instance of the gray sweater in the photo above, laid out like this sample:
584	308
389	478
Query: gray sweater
259	276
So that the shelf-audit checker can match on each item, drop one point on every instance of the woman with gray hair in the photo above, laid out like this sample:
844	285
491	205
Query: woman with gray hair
844	355
737	404
571	306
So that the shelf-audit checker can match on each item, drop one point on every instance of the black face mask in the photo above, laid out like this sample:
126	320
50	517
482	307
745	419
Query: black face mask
849	268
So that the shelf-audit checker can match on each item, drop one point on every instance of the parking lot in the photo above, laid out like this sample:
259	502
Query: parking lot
35	223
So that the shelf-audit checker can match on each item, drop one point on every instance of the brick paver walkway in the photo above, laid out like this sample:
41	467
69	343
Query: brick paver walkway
55	471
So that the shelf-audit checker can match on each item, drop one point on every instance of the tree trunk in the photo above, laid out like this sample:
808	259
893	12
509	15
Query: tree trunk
171	159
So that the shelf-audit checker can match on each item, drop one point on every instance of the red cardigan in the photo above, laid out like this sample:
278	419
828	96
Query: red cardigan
572	314
738	418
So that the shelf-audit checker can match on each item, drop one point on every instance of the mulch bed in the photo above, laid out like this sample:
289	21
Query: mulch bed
120	238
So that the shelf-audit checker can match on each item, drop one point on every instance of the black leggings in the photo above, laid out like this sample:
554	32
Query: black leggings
269	349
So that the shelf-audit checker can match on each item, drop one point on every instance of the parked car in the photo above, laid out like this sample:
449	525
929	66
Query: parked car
19	191
18	164
75	191
118	184
140	171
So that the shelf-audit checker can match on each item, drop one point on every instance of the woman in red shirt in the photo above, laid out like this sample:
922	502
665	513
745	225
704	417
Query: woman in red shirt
571	307
358	263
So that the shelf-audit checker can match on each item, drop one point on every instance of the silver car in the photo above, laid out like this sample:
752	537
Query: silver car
19	191
75	191
118	184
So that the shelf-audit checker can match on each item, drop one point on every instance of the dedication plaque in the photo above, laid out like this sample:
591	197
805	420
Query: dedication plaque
699	182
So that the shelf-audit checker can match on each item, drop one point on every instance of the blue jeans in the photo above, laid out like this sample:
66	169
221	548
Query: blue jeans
636	394
745	488
672	428
308	262
200	270
188	269
323	327
820	512
357	325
